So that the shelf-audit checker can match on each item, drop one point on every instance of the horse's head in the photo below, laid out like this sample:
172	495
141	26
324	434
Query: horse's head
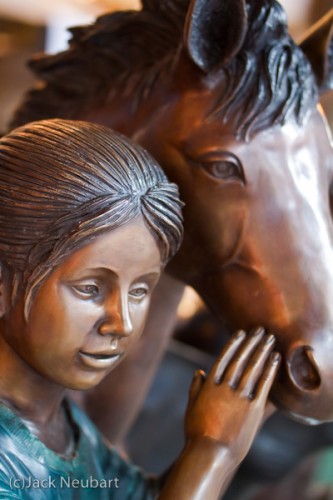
251	152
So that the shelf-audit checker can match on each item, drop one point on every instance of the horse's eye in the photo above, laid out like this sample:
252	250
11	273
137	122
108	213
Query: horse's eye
224	170
222	165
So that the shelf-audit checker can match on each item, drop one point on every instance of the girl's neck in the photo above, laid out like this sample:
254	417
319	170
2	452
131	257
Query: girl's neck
33	397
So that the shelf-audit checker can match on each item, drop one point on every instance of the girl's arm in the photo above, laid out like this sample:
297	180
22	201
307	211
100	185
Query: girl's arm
224	413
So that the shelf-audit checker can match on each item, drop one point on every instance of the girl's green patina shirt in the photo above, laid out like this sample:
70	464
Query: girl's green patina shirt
30	470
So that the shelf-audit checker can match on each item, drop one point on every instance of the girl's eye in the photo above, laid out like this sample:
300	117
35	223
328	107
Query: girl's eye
138	293
88	290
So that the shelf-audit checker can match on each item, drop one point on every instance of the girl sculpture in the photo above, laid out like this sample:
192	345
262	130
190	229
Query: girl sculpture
87	223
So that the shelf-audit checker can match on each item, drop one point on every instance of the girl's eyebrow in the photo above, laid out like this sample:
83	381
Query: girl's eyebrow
104	271
150	276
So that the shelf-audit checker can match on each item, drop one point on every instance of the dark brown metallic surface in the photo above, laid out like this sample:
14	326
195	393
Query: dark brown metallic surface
83	241
266	264
258	246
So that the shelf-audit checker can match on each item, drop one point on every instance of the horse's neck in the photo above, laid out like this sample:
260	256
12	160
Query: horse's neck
121	113
117	116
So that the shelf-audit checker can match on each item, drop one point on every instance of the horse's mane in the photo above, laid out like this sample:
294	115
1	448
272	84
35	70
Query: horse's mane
270	80
120	50
126	52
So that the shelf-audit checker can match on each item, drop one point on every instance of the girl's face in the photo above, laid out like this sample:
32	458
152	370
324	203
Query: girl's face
90	310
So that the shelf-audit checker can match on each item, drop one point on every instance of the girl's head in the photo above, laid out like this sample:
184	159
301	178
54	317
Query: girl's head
63	183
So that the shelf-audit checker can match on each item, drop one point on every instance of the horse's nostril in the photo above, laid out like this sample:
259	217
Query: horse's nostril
303	370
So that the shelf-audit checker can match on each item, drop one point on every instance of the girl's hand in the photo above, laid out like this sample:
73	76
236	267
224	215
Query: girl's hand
228	406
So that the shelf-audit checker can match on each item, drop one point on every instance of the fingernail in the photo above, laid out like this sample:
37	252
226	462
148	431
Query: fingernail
257	331
270	339
239	334
275	357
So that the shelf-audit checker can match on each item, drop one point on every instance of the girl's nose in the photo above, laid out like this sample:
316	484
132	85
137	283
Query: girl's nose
117	320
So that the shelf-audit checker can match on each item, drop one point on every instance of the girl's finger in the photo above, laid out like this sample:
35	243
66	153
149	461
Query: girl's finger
256	365
267	378
197	383
236	367
226	355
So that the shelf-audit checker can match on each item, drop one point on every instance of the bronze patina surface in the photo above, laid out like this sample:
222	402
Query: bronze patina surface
227	103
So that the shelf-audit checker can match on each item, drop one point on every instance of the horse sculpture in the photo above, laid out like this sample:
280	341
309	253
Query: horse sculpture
223	98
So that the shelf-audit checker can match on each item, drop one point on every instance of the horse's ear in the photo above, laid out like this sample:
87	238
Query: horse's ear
214	31
317	45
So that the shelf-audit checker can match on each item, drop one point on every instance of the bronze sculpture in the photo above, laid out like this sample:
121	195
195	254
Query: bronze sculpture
227	103
84	236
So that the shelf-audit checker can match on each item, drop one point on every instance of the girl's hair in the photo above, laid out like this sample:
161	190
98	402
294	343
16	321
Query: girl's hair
65	182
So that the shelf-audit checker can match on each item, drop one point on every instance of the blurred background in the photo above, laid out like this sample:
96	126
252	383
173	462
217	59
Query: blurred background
30	26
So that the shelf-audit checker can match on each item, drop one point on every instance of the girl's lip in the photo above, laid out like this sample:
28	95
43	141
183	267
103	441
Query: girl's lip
100	355
99	359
